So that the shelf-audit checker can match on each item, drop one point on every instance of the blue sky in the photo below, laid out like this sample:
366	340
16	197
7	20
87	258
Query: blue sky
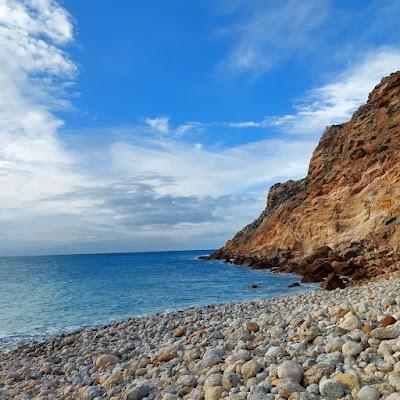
160	125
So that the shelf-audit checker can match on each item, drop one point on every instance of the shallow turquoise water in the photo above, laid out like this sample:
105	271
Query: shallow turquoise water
42	296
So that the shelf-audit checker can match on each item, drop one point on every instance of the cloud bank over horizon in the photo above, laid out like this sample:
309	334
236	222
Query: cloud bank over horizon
155	185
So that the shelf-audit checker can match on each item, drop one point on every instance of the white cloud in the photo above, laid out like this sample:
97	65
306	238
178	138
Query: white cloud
158	124
196	171
335	102
33	161
273	31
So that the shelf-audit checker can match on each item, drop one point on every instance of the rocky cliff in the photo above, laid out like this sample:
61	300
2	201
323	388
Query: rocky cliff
345	214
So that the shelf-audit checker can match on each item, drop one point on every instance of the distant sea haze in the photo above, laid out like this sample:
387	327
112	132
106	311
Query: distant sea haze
43	296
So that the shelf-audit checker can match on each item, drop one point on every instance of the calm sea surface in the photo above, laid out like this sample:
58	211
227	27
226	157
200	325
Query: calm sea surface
43	296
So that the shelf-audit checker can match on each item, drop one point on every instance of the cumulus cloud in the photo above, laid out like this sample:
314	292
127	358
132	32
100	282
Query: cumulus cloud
33	161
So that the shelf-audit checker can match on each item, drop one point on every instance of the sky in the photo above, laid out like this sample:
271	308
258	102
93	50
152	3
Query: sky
160	125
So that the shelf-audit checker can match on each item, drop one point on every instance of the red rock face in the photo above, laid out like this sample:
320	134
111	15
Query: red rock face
351	194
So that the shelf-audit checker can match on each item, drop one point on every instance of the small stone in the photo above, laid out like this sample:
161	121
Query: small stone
165	357
252	327
113	380
290	370
394	380
47	368
368	393
331	389
350	381
213	392
286	387
273	351
386	333
230	380
350	323
352	349
106	360
250	368
393	396
137	393
187	380
258	392
388	320
178	332
212	357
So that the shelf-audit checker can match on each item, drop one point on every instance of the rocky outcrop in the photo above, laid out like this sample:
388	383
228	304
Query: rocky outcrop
343	218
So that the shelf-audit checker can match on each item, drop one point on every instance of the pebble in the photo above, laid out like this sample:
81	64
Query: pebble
368	393
331	389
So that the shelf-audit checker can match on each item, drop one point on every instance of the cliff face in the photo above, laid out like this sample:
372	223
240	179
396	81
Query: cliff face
350	194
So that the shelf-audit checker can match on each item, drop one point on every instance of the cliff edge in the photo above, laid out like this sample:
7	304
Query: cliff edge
345	214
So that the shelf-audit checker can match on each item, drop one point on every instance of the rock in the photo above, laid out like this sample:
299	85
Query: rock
316	372
286	387
308	331
162	358
47	368
388	320
290	370
254	286
213	380
349	381
230	380
178	332
241	355
368	393
350	253
113	380
359	274
250	368
212	357
293	285
106	360
332	282
137	393
351	322
352	349
258	392
386	333
213	393
394	380
273	351
91	393
187	380
331	389
247	262
252	327
393	396
310	278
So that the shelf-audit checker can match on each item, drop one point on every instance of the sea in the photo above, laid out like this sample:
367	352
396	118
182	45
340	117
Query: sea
43	296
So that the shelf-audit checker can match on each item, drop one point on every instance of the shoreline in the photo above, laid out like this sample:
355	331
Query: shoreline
310	345
302	289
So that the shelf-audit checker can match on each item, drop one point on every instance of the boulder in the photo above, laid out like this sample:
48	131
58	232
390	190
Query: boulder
333	282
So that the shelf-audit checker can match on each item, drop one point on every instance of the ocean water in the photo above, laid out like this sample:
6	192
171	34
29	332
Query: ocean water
43	296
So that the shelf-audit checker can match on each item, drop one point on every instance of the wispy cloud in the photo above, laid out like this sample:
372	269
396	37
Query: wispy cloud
334	102
272	31
158	124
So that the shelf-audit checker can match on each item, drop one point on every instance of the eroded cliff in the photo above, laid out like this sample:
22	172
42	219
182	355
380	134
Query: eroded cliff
350	199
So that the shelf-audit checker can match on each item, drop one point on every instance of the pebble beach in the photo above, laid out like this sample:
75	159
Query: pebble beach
340	344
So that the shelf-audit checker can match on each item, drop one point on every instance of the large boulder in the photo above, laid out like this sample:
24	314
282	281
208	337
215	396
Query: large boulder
332	282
